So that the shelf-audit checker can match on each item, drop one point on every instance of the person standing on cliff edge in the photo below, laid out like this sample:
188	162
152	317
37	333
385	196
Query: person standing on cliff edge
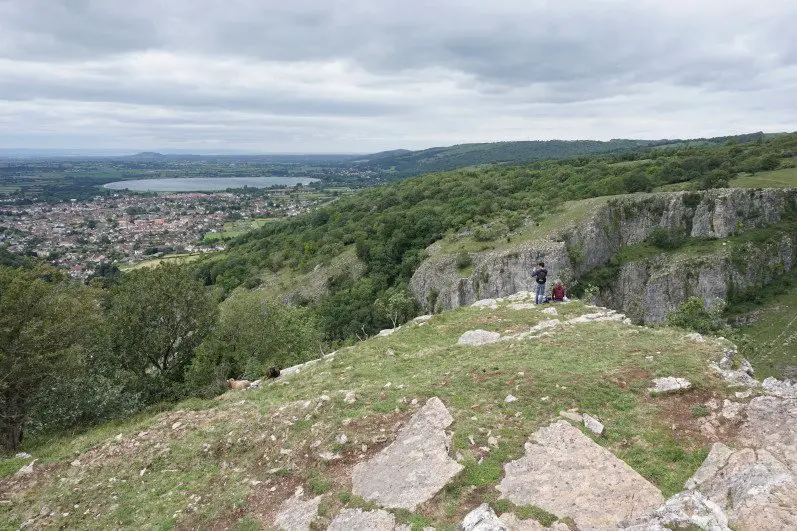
541	275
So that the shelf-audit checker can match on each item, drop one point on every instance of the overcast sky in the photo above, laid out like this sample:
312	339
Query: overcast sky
368	75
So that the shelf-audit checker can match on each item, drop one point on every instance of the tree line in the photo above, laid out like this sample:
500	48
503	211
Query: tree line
73	355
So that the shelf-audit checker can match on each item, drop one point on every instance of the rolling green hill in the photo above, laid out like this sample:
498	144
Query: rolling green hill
402	163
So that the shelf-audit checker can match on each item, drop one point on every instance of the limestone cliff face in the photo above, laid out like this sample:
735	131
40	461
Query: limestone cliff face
583	245
647	290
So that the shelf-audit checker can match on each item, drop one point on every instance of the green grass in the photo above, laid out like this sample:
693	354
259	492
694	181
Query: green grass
783	178
770	343
169	258
566	216
602	369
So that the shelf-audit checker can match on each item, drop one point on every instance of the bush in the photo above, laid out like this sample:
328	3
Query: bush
692	314
464	260
666	239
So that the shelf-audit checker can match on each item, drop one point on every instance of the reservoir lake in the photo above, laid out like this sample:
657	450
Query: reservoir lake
205	184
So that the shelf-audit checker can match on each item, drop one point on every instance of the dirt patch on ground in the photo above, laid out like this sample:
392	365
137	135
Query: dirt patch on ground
686	412
367	437
626	377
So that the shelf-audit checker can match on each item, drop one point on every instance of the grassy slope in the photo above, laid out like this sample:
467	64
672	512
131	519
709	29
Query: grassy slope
158	474
782	178
772	338
568	215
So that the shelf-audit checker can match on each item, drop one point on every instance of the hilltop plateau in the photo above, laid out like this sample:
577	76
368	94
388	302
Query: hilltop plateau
422	424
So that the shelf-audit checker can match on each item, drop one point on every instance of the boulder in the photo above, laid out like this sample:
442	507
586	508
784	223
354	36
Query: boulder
775	387
27	469
772	424
415	466
566	473
754	488
478	337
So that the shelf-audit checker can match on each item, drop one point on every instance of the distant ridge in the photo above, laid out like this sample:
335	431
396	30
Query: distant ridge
404	163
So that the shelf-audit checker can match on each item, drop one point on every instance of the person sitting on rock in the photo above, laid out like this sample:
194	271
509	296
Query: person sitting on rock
558	292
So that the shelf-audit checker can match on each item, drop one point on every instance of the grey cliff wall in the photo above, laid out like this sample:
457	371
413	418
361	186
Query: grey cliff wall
573	251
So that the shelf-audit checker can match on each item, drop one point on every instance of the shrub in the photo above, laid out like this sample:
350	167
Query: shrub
464	260
693	314
666	239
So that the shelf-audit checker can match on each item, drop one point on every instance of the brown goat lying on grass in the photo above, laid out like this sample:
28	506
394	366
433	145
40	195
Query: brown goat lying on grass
238	384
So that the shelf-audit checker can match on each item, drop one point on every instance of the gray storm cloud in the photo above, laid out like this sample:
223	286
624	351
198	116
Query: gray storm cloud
362	76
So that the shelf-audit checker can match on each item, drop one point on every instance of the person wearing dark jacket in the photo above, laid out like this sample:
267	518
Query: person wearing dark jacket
540	274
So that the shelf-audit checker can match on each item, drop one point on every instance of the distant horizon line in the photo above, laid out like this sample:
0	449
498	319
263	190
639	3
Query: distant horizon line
129	152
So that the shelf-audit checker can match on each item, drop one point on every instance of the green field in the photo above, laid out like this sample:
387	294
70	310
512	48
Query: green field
234	229
783	178
169	258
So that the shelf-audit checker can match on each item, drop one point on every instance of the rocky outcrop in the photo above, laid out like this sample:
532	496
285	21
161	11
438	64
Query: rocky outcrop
583	245
750	487
415	466
567	474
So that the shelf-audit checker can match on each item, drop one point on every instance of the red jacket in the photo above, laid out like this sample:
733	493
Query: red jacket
558	293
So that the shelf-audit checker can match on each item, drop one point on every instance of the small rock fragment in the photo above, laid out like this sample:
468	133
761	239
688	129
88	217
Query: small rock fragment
510	398
669	384
482	518
27	469
593	424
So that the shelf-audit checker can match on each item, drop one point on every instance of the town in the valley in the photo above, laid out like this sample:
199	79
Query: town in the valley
126	229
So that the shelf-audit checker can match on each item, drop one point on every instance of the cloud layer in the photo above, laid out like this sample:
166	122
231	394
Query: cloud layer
360	76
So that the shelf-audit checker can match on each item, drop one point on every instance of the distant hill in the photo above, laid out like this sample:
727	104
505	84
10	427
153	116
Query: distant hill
403	163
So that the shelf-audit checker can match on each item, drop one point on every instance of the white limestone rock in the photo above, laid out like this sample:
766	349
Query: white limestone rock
478	338
296	513
593	424
688	508
566	473
773	386
669	384
357	519
482	518
415	467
